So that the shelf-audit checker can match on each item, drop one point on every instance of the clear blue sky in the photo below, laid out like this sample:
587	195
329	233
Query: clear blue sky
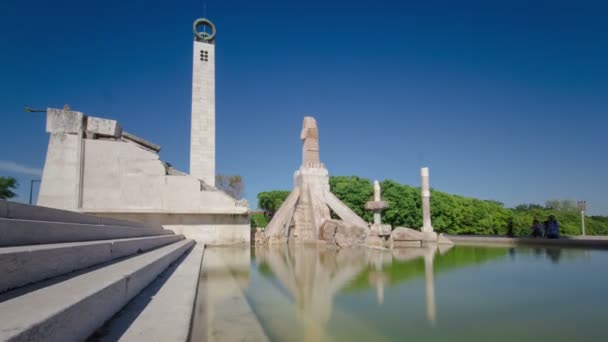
502	100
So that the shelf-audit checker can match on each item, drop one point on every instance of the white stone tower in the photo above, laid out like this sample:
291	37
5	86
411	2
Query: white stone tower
202	135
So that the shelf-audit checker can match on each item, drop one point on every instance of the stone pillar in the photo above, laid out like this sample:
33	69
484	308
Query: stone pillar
377	217
202	139
376	206
427	227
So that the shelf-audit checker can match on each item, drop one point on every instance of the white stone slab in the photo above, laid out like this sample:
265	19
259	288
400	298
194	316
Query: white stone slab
103	126
63	121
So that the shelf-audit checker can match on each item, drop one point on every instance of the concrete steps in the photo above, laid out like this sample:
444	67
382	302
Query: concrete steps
64	274
20	211
72	309
15	232
157	313
24	265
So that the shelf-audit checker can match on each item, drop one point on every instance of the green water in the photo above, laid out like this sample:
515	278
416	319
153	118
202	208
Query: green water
423	294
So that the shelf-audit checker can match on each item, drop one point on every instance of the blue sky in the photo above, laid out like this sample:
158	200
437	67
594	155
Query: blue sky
502	100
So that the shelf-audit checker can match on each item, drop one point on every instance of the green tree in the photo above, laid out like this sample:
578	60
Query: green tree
270	201
450	213
6	184
405	205
258	220
354	192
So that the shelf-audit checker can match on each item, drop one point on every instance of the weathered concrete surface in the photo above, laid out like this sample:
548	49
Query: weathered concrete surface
202	134
406	234
120	176
60	185
20	266
25	232
20	211
73	309
110	174
103	126
210	229
64	121
163	310
499	241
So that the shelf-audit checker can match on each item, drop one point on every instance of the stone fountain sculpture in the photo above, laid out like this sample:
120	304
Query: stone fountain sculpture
377	206
305	215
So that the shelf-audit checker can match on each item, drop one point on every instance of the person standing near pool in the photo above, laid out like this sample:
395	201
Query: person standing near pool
537	229
552	228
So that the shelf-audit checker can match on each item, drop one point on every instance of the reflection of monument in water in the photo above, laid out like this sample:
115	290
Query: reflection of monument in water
313	277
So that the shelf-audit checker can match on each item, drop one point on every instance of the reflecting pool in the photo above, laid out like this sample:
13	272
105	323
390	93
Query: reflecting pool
302	293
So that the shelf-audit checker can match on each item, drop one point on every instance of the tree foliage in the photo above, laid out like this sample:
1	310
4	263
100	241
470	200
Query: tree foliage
270	201
354	192
450	214
7	184
258	220
233	185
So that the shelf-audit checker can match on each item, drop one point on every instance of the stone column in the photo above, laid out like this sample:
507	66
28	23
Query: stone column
377	217
376	206
202	130
427	227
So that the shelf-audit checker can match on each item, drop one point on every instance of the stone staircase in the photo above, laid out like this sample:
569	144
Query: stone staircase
65	275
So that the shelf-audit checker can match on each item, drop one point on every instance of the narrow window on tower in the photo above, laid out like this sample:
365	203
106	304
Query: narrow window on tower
204	56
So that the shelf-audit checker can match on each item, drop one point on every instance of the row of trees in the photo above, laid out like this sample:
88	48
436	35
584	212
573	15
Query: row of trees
451	214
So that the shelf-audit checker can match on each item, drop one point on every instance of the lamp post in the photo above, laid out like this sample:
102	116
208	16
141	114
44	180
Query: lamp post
582	206
32	187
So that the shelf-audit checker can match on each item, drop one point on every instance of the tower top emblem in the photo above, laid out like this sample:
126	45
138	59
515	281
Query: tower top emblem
204	36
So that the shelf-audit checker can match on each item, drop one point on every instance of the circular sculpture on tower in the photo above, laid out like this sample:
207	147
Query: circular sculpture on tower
204	36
